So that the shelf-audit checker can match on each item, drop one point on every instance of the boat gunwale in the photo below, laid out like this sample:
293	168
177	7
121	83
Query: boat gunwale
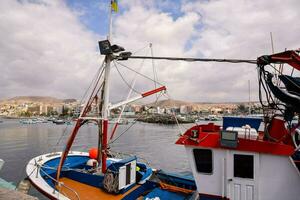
35	177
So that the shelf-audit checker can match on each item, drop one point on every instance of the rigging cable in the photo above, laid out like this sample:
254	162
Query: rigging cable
94	81
129	94
141	49
133	123
99	71
153	67
173	113
139	73
128	85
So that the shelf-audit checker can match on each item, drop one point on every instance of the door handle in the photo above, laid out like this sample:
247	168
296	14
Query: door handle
230	179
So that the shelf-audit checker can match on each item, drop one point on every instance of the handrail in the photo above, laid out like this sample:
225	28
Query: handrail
59	183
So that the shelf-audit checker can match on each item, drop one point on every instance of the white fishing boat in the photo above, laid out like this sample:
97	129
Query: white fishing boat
236	161
28	121
99	174
121	121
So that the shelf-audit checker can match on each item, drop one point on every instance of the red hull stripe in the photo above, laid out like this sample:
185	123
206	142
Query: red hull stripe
154	91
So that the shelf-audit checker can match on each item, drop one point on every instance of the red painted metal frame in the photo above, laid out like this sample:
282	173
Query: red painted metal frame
289	57
68	147
154	91
114	130
209	137
104	145
75	131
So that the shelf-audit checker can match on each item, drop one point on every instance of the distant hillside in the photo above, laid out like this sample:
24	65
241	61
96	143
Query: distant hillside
69	100
170	103
40	99
178	103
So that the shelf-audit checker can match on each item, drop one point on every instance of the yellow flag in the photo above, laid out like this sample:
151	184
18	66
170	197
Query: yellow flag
114	5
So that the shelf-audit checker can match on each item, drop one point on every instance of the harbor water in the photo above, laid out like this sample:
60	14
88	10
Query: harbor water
152	142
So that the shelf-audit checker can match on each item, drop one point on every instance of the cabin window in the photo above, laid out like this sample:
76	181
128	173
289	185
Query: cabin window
243	166
203	160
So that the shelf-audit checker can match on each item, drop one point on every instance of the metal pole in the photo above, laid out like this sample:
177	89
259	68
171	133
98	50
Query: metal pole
105	98
249	97
195	59
105	112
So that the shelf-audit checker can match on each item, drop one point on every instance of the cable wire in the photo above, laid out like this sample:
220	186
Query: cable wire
139	73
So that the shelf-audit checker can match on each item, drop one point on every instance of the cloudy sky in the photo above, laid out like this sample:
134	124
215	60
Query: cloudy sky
49	47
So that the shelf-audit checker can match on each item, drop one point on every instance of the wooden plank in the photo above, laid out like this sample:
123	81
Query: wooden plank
86	192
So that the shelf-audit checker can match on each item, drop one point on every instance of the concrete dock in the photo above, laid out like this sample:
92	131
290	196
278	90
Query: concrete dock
6	194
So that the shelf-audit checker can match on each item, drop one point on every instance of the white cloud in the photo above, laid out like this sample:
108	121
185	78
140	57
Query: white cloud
45	50
213	29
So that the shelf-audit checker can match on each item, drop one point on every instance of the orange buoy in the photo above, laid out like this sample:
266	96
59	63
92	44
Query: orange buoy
93	153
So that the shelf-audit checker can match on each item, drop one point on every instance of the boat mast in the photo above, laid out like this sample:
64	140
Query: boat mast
105	100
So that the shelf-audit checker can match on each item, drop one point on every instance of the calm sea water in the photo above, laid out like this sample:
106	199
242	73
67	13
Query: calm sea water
154	143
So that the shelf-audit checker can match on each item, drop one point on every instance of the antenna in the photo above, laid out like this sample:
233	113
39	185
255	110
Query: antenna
249	97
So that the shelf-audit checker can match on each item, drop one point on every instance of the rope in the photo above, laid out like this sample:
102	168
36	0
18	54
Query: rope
272	103
280	72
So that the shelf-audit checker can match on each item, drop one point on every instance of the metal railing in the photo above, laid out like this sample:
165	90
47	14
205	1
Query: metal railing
59	184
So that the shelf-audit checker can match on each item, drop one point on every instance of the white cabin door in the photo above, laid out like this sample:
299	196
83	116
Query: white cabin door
242	176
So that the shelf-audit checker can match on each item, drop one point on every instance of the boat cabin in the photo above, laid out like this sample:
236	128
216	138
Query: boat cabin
235	162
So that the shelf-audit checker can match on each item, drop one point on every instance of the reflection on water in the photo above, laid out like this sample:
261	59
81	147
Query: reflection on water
154	143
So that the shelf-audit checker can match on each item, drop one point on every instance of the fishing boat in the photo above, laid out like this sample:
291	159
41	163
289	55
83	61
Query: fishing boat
122	121
58	121
238	160
99	173
28	121
41	120
234	161
212	118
